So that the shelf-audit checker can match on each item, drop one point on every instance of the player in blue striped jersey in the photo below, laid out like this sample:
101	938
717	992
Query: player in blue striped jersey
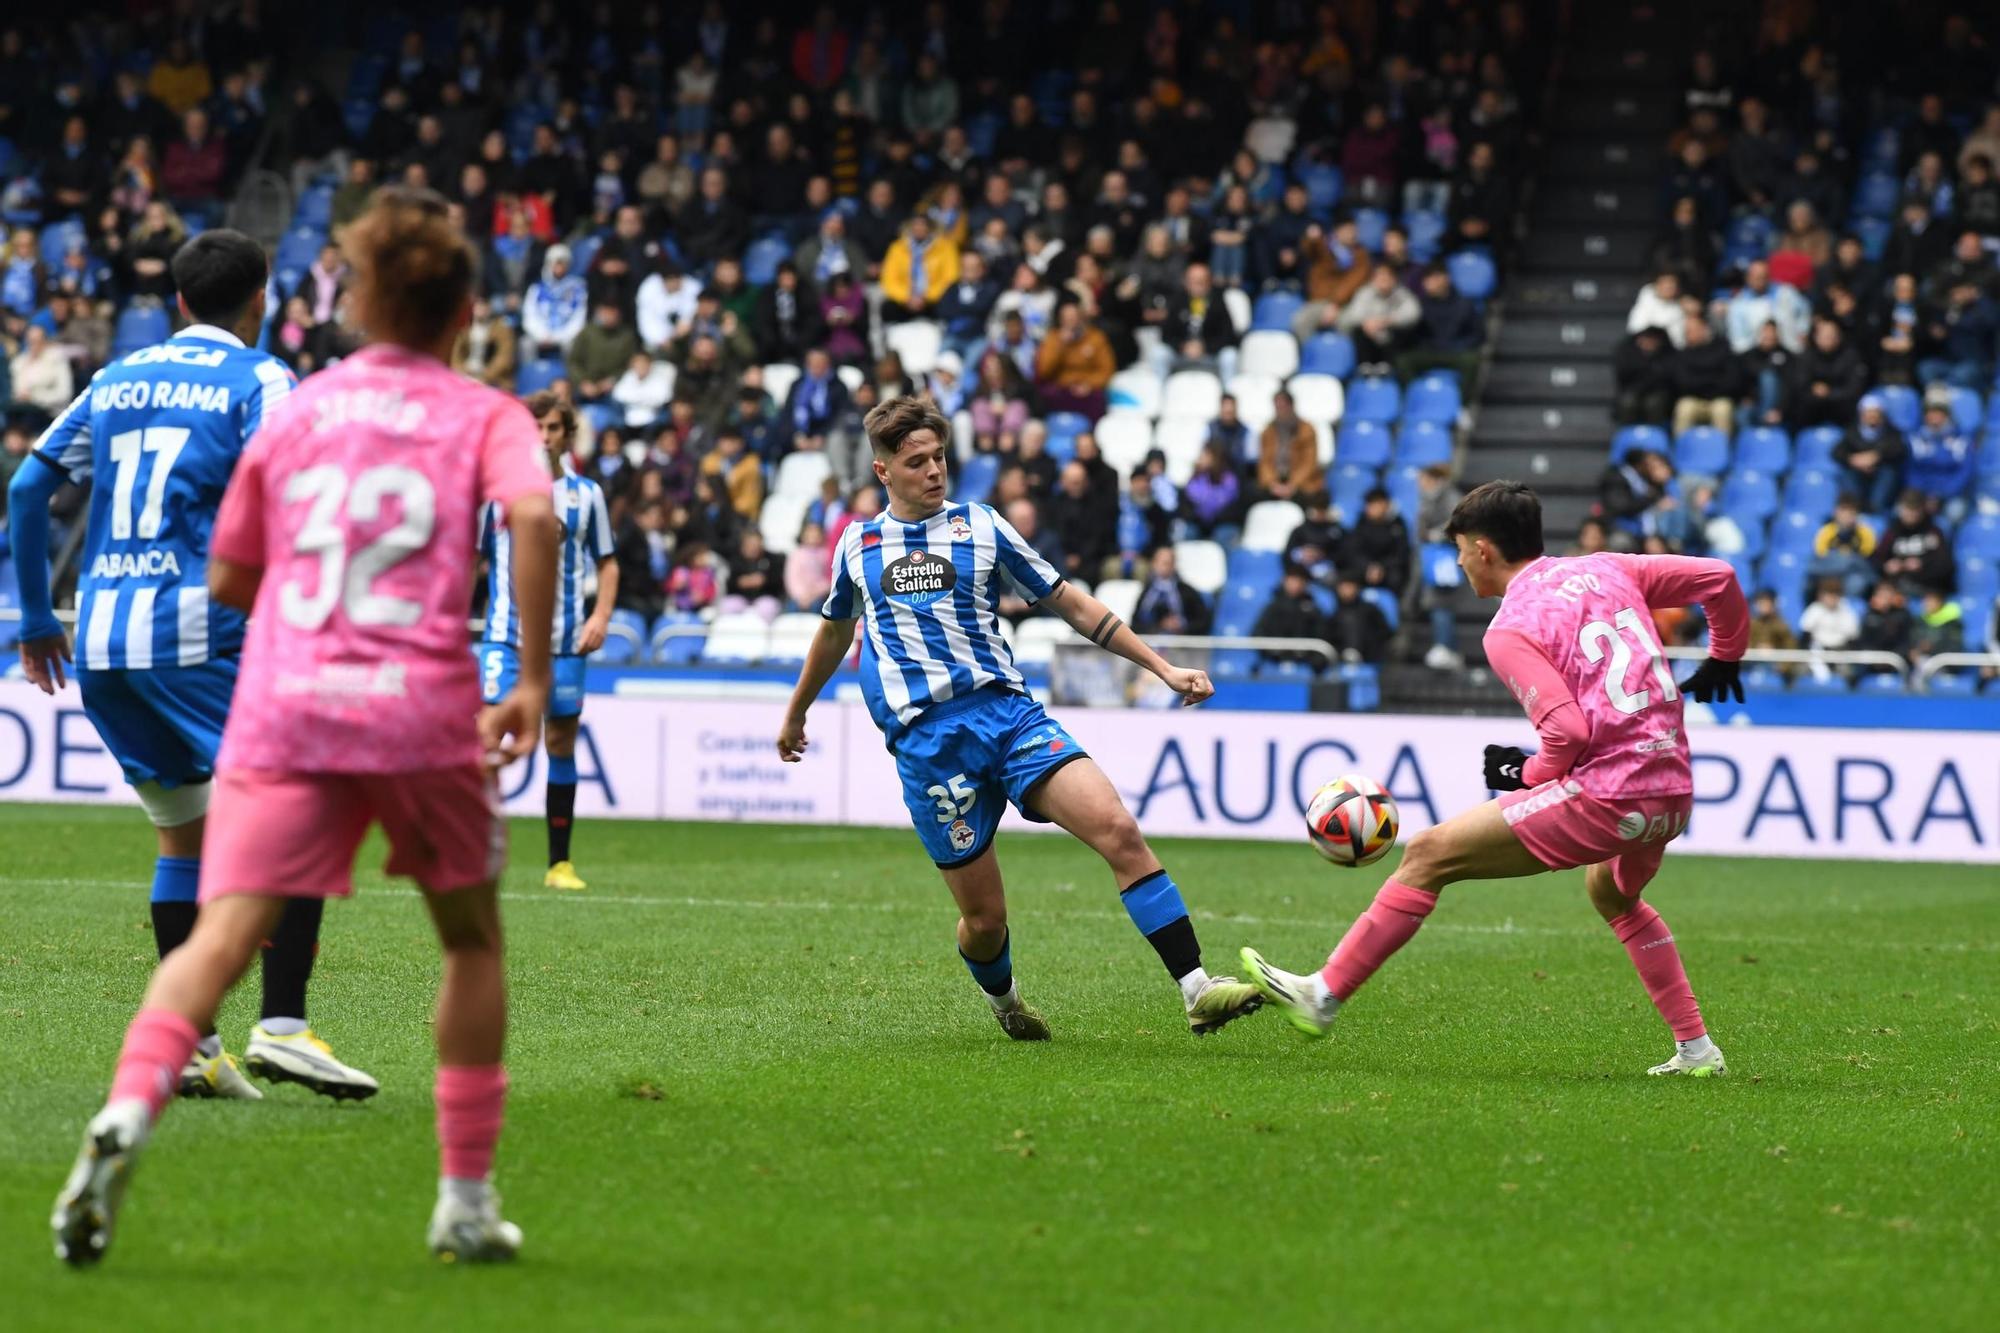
587	544
925	578
156	435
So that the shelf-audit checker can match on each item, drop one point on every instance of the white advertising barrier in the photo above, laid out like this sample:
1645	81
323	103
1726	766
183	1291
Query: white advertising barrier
1762	791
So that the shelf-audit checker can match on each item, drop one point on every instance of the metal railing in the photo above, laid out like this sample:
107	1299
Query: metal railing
1892	663
1932	665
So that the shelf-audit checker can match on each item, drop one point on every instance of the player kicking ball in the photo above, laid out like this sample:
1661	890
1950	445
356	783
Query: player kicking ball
160	431
1610	786
349	531
940	681
586	541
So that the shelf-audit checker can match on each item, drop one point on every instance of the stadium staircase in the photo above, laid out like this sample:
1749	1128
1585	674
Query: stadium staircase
1544	413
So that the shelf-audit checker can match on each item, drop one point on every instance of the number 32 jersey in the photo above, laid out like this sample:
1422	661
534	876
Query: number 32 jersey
359	501
1574	640
157	434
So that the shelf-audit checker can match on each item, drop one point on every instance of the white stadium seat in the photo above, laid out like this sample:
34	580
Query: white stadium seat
739	637
1124	439
779	377
1120	596
1180	439
1255	412
1269	352
851	376
917	343
1203	565
1136	389
1318	397
1246	386
1269	524
780	520
792	634
801	473
1237	302
1325	433
1035	639
1191	393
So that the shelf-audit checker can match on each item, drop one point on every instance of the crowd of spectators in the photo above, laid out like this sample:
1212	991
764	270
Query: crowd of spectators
1817	346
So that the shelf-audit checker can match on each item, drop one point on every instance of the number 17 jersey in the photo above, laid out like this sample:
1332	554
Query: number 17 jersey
1580	632
157	434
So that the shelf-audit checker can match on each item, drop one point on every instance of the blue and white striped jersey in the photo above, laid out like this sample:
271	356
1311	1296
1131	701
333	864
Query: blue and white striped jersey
586	540
160	431
928	605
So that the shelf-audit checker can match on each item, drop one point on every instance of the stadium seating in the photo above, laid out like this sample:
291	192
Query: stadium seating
1203	565
1269	525
1270	353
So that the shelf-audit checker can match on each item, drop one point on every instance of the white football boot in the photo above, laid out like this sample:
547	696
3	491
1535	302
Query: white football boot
302	1058
1298	996
462	1232
216	1076
87	1208
1709	1065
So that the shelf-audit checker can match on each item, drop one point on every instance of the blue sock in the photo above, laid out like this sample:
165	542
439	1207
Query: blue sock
176	881
996	975
562	769
1155	906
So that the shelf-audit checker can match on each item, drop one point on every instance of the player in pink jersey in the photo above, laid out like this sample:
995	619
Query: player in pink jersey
1610	786
349	531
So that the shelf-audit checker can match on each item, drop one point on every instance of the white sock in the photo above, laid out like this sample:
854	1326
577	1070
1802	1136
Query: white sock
1323	998
1192	983
469	1193
1004	1003
1696	1048
210	1046
283	1027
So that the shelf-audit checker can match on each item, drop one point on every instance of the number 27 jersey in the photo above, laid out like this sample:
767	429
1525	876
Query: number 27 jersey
1580	632
157	434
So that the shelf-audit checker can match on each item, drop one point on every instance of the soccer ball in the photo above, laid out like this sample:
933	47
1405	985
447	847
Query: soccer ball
1352	821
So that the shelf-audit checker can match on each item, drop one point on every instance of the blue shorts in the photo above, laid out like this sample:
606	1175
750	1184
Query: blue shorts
500	667
162	725
965	758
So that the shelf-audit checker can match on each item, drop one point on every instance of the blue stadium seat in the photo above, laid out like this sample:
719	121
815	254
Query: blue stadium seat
1323	188
1433	398
1750	231
1702	450
1066	426
358	113
1386	601
59	238
1882	149
1257	570
536	374
1966	409
1794	531
1369	226
1874	234
760	262
632	621
1811	492
315	208
1952	685
617	650
1422	444
1472	272
1639	437
1901	405
1237	609
1374	398
1876	196
1881	682
1349	490
1440	565
1766	448
1751	528
1364	686
975	477
1274	310
1750	495
1363	443
671	649
1979	536
1814	447
1784	572
299	248
982	132
584	253
1761	679
141	324
1427	231
1327	354
1809	684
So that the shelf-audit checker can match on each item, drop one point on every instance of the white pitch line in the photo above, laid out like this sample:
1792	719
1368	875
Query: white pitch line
1330	923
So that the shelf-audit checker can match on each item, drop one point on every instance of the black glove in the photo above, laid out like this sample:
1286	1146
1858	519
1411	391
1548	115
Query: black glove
1715	681
1503	767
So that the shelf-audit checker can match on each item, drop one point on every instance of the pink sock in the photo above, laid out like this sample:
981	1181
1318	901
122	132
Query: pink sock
1385	927
471	1102
1651	945
157	1045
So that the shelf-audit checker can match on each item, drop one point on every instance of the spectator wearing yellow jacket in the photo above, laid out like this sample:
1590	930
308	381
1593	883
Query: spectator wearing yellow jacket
1074	365
919	269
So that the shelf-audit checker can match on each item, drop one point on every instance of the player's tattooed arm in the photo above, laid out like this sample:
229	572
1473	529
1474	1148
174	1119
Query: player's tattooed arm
1098	623
1107	629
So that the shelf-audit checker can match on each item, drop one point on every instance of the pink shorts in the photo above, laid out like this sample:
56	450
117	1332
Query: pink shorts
294	835
1563	826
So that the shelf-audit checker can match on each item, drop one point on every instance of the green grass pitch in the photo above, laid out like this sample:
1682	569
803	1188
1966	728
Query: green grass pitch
753	1087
